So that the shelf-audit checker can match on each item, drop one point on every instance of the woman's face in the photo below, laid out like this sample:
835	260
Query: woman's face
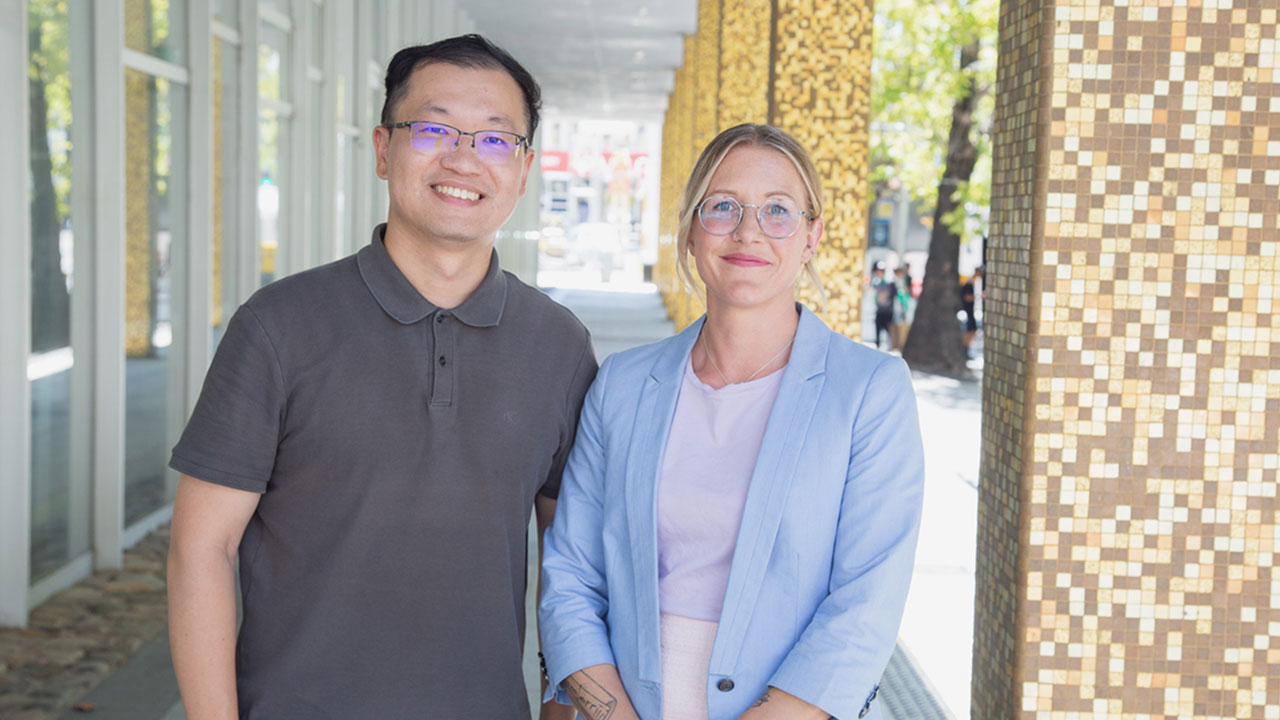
748	268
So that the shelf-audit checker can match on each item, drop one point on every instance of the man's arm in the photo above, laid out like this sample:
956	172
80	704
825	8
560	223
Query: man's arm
208	521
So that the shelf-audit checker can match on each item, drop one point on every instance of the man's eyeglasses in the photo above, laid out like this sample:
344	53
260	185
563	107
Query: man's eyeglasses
491	146
778	218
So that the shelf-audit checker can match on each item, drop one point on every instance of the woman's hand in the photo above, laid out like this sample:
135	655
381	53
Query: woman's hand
775	703
598	694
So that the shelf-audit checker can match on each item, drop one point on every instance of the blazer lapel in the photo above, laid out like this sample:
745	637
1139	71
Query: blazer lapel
780	451
654	413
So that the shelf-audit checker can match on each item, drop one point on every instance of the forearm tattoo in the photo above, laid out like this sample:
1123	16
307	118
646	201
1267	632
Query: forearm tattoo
763	699
590	697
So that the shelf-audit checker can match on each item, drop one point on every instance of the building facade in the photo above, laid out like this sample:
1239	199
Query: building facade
166	159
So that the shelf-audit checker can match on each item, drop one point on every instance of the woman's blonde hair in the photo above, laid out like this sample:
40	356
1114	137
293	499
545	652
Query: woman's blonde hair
766	136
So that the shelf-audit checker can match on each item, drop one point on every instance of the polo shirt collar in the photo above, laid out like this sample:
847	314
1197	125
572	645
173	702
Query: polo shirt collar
402	301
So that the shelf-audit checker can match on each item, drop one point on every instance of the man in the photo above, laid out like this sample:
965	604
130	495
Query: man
968	296
372	435
886	296
905	310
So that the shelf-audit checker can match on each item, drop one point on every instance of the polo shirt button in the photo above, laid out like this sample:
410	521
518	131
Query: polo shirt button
442	361
725	685
439	318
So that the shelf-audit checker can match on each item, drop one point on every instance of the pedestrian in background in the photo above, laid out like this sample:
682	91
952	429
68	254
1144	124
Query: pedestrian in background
905	311
886	297
968	298
736	530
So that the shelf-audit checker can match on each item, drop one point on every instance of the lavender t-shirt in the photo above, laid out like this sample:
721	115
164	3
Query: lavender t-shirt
711	453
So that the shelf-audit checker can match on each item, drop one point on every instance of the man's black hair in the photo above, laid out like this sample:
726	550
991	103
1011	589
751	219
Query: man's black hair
468	51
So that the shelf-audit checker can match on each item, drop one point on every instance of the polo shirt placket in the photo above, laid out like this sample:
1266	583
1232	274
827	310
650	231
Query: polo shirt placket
443	329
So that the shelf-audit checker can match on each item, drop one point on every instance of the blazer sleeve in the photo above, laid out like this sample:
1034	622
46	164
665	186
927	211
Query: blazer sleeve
575	598
841	654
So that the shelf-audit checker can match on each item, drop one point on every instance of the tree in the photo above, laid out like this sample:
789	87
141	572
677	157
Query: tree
933	69
50	103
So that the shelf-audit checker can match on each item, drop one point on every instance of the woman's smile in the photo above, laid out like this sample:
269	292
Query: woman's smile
744	260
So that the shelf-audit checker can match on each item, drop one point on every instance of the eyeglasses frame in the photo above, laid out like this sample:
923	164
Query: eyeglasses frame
521	140
759	223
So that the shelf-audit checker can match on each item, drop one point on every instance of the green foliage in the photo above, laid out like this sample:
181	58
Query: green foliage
48	65
916	80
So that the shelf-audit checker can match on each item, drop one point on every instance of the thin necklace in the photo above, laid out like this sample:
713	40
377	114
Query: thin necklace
707	351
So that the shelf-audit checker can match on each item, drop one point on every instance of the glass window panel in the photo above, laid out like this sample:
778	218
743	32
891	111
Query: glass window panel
270	161
344	64
154	224
322	225
156	27
343	195
279	5
341	85
376	98
225	81
59	499
226	11
273	71
317	34
379	30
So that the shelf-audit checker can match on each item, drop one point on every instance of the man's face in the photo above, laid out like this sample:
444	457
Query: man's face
442	196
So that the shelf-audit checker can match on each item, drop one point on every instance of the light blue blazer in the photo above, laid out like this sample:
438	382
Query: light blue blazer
824	554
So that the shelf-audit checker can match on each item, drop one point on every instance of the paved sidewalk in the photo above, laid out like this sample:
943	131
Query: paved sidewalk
928	677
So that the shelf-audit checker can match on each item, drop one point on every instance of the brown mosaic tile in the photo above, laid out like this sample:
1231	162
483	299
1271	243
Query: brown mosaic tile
1154	403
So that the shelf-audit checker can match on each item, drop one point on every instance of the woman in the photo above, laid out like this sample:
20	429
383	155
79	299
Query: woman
734	535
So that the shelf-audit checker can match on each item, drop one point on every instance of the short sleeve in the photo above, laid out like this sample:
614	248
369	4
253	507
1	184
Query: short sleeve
233	433
583	375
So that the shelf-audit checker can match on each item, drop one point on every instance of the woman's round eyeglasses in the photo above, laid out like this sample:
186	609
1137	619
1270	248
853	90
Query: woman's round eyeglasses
778	217
491	146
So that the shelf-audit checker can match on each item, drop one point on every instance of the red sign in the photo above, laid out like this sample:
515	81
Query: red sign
555	161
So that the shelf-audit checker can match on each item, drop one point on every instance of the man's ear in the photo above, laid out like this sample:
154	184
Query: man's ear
528	164
381	142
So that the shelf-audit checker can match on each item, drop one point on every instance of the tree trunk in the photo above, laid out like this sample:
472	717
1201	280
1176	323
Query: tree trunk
50	302
936	343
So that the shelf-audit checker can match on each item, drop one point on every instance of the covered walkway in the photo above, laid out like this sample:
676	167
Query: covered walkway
927	679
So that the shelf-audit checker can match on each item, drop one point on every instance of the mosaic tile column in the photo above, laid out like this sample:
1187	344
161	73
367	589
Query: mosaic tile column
139	248
803	65
1131	435
678	157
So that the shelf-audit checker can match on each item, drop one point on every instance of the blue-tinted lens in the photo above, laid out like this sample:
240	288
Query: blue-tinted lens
495	144
430	137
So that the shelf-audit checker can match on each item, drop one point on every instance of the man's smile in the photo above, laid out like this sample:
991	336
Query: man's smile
456	192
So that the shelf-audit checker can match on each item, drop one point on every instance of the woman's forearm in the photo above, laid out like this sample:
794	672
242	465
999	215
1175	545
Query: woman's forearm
598	694
776	704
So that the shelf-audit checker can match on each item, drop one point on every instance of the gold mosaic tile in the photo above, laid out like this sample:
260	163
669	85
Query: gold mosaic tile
813	81
1142	584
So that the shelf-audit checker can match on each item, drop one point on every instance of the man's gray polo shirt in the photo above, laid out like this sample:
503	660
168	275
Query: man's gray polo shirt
398	448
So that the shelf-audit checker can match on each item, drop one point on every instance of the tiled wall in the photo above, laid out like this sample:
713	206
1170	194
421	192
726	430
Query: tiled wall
1017	179
803	65
1131	406
678	157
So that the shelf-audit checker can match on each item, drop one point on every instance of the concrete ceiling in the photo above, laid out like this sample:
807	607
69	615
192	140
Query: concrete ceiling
607	58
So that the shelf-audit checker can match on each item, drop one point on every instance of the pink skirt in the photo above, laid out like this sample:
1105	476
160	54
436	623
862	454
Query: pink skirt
686	656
